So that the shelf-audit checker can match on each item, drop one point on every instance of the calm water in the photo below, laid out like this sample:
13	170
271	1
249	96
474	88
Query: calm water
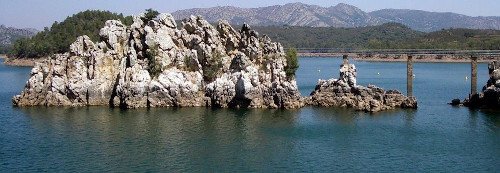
434	138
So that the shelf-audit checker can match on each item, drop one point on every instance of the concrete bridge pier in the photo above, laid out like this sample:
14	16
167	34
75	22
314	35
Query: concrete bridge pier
473	80
409	75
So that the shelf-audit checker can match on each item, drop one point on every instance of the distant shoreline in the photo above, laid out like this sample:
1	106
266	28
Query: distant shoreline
29	62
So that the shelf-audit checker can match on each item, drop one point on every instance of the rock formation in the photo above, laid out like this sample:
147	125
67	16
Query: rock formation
155	63
490	95
344	92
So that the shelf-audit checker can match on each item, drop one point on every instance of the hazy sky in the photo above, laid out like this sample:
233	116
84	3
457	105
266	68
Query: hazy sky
40	13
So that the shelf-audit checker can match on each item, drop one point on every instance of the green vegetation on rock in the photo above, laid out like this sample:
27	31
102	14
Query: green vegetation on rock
154	65
150	14
212	67
292	63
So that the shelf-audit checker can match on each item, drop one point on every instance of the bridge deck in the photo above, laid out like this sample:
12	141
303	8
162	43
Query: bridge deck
337	51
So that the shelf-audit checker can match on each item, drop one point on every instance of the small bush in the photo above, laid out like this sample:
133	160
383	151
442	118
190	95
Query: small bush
150	14
292	62
212	68
154	67
189	66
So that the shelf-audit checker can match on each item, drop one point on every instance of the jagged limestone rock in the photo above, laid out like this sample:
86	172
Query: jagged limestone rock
154	63
344	92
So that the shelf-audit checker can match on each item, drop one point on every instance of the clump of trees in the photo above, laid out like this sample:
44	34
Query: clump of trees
59	36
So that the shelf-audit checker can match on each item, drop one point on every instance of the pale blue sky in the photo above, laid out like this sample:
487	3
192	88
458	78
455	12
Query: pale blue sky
40	13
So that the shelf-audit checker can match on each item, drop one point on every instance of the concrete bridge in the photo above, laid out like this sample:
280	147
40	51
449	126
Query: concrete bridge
357	52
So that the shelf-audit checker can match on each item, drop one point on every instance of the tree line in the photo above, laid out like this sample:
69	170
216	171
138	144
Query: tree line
59	36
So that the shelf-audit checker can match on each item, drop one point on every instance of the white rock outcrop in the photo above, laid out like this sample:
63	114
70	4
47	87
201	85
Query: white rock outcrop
344	92
155	63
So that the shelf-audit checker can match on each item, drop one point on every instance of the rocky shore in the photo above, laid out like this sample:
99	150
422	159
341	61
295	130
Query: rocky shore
155	63
489	98
344	92
22	62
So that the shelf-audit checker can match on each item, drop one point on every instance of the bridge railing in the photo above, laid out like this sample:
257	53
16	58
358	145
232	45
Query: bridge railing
400	51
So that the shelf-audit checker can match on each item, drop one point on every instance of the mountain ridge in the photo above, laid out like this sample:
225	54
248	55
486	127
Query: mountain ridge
340	15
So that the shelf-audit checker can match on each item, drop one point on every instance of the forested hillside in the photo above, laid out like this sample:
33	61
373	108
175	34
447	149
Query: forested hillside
386	36
476	39
383	36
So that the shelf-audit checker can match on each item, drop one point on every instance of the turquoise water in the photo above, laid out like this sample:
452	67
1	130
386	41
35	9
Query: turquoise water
434	138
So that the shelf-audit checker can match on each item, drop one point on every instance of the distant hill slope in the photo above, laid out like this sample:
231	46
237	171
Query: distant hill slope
9	35
433	21
296	14
341	15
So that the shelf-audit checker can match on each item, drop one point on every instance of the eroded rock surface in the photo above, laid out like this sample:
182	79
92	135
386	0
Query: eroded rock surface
155	63
344	92
490	95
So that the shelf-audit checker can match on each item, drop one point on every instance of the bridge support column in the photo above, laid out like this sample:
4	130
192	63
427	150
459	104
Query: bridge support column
345	58
473	75
409	76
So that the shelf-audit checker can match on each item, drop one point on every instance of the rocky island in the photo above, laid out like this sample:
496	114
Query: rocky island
489	98
155	63
344	92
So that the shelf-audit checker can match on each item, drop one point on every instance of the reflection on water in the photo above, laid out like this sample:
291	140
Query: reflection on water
199	139
492	119
182	137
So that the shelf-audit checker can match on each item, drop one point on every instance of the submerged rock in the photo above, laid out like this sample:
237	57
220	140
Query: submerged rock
455	102
154	64
344	92
490	96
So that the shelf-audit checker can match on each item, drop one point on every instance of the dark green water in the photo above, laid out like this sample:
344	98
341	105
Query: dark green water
434	138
